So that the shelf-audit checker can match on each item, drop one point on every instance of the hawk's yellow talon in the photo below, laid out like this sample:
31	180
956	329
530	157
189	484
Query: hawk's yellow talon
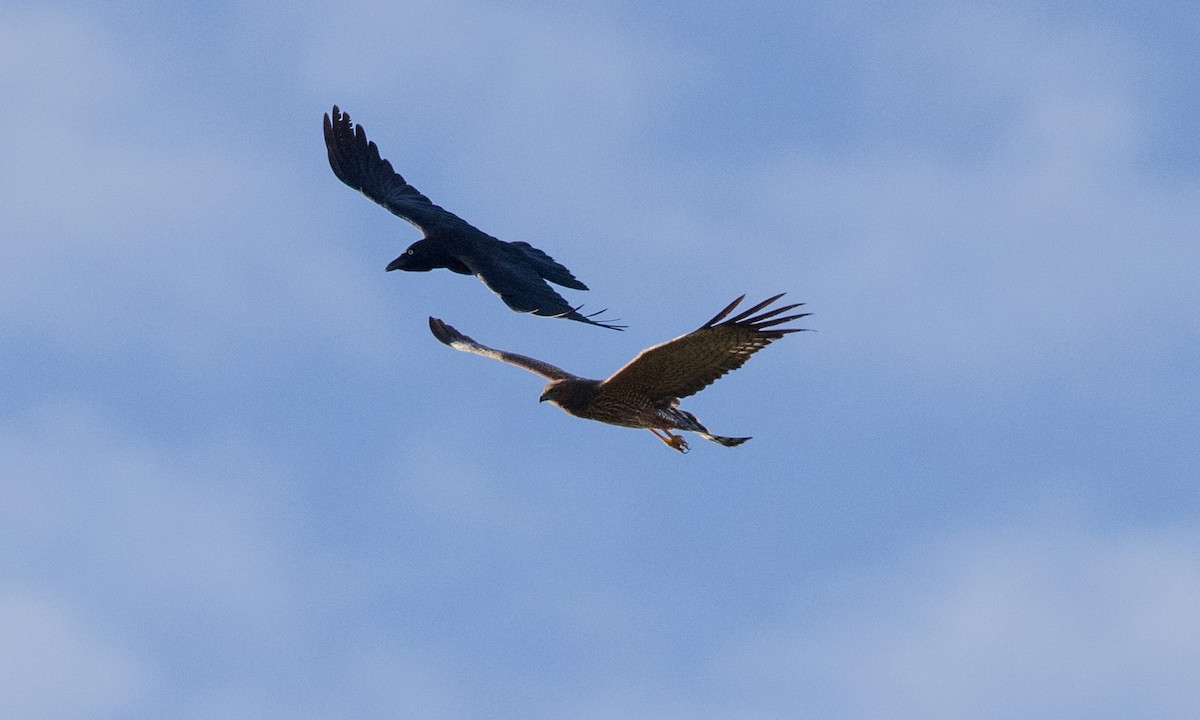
675	442
645	392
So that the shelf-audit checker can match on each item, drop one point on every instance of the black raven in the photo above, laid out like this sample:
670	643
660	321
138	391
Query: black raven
516	271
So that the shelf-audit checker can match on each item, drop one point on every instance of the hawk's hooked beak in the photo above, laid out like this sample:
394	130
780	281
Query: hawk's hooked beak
544	396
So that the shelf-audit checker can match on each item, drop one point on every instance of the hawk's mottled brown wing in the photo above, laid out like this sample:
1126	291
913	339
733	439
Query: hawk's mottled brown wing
689	363
449	336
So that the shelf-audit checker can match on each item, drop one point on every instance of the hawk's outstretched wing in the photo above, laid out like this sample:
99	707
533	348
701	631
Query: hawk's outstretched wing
449	336
356	162
689	363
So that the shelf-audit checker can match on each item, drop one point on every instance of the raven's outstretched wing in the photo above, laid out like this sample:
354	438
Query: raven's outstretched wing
511	276
689	363
449	336
356	162
516	271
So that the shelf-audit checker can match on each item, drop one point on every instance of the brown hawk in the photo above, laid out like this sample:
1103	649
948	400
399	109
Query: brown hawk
646	392
516	271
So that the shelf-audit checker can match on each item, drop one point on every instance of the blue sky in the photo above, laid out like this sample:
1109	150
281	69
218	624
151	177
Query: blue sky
241	480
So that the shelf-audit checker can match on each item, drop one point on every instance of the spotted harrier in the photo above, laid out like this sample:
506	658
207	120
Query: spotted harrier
646	392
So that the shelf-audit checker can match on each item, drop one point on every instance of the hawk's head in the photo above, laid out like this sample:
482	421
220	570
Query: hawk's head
571	394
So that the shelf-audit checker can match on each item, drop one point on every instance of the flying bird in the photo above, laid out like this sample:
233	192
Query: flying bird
516	271
646	392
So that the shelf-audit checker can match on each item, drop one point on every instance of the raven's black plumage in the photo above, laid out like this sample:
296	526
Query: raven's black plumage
516	271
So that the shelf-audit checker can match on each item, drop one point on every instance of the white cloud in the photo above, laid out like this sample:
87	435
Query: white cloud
369	681
547	82
136	230
1038	619
1025	621
55	665
533	114
144	532
189	559
1048	242
54	65
149	222
386	684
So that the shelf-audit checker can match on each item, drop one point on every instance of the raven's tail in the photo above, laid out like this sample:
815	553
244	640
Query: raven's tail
548	267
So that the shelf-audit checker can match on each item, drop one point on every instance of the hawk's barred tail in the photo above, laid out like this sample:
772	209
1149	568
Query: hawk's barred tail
694	425
726	441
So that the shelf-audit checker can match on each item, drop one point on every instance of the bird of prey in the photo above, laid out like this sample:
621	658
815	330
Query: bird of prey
516	271
646	392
